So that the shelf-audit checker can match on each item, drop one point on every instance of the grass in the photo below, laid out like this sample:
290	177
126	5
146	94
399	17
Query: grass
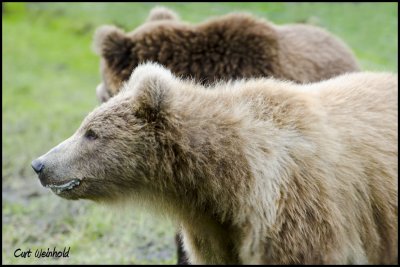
49	80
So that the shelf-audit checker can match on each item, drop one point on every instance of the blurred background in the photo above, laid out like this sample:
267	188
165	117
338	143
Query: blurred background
49	77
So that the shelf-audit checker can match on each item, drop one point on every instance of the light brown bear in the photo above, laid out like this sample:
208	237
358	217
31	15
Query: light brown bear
256	171
233	46
229	47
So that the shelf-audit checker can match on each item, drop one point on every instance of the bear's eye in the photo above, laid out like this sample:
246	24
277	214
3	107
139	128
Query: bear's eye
90	134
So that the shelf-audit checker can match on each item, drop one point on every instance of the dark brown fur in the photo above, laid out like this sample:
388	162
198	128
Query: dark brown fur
229	47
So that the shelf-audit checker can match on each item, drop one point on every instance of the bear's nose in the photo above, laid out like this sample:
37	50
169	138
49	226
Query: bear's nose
37	166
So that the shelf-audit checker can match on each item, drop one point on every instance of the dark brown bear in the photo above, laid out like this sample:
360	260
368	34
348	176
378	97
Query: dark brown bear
232	46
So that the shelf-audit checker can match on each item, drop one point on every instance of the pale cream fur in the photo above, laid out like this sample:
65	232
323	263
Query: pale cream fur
256	171
328	148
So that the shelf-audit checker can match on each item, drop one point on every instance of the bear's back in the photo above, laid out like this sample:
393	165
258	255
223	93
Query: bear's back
228	47
321	54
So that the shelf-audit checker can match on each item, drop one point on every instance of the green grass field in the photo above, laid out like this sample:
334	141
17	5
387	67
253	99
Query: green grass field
49	79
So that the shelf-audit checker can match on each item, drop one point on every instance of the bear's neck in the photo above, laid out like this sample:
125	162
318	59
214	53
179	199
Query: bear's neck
201	168
203	160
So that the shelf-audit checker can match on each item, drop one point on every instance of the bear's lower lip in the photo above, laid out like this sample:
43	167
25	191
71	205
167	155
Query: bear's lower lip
63	187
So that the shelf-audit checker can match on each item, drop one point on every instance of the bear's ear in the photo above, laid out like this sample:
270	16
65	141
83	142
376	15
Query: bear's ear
112	44
162	13
151	84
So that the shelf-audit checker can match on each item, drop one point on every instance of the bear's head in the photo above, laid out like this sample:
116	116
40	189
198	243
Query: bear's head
115	151
117	51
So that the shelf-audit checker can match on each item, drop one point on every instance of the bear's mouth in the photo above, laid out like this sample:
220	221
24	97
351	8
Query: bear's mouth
59	188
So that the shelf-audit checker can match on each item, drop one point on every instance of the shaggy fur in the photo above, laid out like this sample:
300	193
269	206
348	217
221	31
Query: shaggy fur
228	47
233	46
270	172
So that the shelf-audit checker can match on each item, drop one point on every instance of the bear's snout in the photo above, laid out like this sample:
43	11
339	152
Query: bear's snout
37	165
